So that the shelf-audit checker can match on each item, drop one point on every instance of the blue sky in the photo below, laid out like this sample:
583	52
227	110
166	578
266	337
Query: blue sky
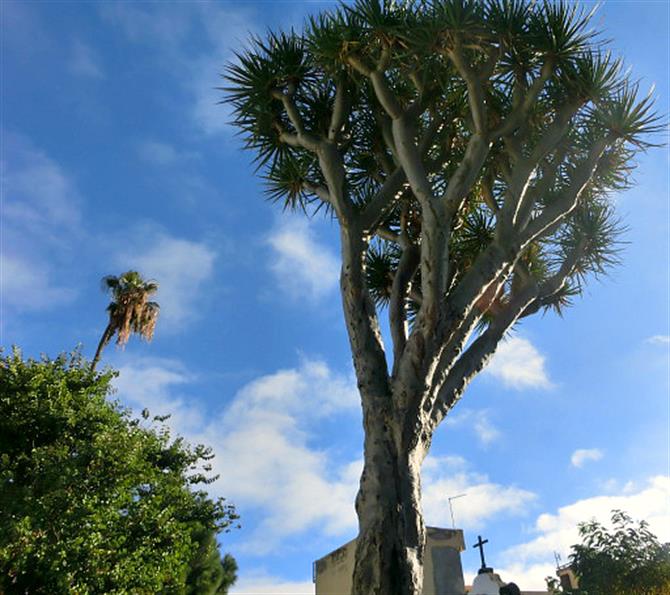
115	155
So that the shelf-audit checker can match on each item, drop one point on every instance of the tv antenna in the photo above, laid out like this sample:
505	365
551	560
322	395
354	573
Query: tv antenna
451	508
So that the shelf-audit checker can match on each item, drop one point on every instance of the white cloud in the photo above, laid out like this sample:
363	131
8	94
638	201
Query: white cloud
166	27
479	421
583	455
154	384
38	196
40	219
221	30
450	476
160	153
228	28
264	584
266	458
302	266
26	285
485	430
531	561
658	340
84	61
263	443
269	461
181	267
518	364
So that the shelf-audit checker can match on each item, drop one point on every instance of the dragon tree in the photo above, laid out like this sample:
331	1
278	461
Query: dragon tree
468	152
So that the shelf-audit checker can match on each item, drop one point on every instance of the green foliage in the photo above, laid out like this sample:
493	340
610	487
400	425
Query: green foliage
209	573
382	260
91	500
626	560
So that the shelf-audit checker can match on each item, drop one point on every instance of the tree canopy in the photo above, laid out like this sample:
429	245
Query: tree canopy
472	146
468	150
95	501
626	559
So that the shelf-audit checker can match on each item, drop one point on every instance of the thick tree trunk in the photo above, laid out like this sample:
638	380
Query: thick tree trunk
391	539
389	552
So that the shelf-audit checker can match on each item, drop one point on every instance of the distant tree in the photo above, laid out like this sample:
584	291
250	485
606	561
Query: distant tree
626	560
467	150
210	573
91	500
130	310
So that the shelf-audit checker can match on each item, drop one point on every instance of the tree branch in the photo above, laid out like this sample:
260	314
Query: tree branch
387	196
525	102
360	314
521	174
383	201
475	90
489	266
385	95
466	173
477	355
389	235
308	141
556	282
409	261
332	167
560	208
319	191
339	114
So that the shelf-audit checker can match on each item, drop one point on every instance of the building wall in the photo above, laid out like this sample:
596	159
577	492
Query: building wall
442	571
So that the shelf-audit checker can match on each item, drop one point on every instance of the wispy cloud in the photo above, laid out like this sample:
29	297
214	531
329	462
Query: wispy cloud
182	268
155	384
28	285
484	499
84	61
227	28
41	218
558	532
268	460
166	27
262	441
220	28
39	196
302	266
658	340
261	583
583	455
518	364
479	421
162	153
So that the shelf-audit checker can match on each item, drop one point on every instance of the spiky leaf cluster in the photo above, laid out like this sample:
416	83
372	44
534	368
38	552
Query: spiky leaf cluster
130	310
542	70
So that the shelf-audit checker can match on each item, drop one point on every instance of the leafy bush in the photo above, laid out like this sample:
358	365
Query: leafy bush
94	501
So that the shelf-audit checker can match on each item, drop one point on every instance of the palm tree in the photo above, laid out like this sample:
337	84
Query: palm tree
130	310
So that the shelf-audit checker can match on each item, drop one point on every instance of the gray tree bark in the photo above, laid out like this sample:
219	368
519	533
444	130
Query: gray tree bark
391	539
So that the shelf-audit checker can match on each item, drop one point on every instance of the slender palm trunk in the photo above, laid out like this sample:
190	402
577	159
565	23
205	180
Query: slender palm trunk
106	336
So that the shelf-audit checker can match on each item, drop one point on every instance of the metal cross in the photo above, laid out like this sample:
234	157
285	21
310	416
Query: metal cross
480	545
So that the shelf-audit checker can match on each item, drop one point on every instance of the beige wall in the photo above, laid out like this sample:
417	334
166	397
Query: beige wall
334	571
